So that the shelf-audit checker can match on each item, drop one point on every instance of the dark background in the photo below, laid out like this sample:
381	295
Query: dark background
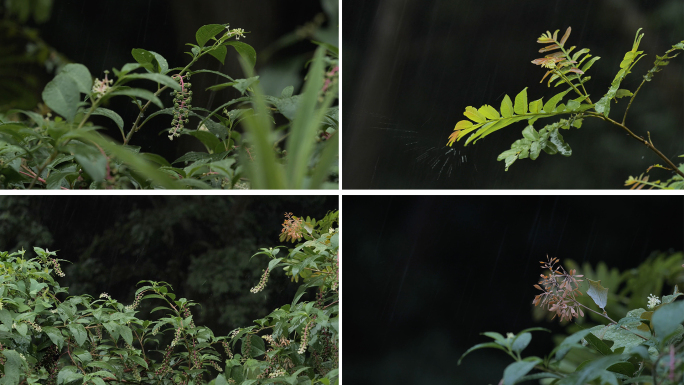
412	66
424	276
201	245
101	35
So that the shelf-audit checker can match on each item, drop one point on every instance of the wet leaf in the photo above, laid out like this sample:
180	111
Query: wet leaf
598	293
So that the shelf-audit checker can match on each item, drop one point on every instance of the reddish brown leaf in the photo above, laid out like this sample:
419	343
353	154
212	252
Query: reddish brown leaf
545	75
549	48
565	37
576	70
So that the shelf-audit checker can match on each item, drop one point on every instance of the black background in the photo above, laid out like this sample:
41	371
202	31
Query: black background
423	276
412	66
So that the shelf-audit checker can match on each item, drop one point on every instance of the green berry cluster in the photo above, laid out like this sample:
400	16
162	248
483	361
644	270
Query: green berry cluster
181	106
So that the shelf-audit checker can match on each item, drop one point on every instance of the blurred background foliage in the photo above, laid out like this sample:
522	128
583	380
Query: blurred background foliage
411	68
201	245
37	37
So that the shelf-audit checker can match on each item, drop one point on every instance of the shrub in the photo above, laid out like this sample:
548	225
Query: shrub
48	337
644	346
65	150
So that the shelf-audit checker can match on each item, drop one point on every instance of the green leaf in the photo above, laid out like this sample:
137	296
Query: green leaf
209	140
556	138
62	96
625	368
300	144
126	334
144	57
111	115
588	64
667	319
102	365
594	369
481	346
288	106
621	93
80	75
55	336
137	93
206	32
473	114
599	345
550	105
494	335
14	368
489	112
506	107
68	374
598	293
536	106
518	369
240	84
530	133
521	102
570	342
220	380
79	333
521	342
219	53
163	64
245	51
91	159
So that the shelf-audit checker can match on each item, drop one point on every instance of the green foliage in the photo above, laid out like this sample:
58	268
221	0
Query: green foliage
68	152
643	346
49	337
565	67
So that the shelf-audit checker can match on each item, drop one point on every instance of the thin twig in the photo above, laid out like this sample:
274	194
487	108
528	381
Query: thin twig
640	139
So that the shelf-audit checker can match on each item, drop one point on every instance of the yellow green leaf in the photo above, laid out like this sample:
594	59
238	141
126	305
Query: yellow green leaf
489	112
506	107
472	114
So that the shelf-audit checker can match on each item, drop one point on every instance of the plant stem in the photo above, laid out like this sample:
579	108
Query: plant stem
640	139
631	100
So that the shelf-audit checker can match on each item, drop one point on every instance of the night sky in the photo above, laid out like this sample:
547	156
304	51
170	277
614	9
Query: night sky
411	67
425	275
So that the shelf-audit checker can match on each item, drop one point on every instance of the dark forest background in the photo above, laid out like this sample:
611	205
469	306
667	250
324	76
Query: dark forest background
101	35
412	66
424	276
201	245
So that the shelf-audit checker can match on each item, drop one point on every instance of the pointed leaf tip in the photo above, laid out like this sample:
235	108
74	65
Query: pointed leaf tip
565	37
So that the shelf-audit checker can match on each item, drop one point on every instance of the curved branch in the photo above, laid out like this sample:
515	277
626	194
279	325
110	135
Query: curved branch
642	140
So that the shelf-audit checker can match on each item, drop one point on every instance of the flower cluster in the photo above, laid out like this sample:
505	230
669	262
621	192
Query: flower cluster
176	337
305	336
100	87
292	228
164	368
55	264
136	301
262	283
105	295
227	348
559	289
34	325
653	301
181	106
237	32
